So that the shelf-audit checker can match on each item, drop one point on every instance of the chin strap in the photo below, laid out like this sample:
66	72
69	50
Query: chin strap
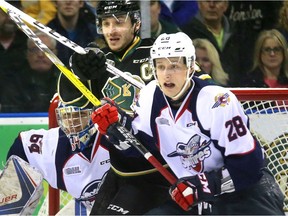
185	86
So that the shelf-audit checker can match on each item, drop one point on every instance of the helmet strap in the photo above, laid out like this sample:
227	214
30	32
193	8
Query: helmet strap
185	86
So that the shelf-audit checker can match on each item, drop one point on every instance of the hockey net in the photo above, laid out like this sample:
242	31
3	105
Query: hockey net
268	113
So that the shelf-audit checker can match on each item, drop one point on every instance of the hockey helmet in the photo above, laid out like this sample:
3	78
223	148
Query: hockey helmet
73	113
174	45
114	8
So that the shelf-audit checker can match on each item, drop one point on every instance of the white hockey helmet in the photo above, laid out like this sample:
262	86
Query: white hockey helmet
174	45
76	123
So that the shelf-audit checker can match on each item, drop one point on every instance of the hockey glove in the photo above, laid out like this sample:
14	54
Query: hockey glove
105	115
90	65
189	191
112	125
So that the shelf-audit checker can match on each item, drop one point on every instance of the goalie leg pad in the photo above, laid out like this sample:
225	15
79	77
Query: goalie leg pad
20	187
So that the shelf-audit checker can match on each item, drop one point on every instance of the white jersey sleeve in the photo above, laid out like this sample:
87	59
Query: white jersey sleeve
40	149
221	113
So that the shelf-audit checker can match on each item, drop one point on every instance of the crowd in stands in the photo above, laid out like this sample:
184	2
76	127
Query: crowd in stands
238	43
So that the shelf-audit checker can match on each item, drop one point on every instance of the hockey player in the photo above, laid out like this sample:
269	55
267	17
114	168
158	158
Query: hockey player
119	22
66	155
203	135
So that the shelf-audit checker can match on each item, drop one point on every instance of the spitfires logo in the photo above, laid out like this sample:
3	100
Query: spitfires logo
221	100
193	153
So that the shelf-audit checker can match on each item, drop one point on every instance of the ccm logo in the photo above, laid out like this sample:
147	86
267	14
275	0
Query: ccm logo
105	162
204	183
117	209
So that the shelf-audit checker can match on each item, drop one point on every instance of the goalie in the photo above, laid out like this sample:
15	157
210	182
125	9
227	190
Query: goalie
66	155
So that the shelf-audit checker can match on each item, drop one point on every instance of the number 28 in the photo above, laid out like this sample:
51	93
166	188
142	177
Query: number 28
236	128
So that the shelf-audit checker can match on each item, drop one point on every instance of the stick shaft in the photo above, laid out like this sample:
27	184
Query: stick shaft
86	92
6	6
141	148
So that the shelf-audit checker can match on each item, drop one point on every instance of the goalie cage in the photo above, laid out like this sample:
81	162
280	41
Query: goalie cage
267	109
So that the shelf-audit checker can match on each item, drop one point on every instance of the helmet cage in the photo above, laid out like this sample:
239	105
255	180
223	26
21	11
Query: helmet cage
77	125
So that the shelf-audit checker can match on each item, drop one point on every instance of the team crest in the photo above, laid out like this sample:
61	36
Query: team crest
221	100
122	92
193	153
89	192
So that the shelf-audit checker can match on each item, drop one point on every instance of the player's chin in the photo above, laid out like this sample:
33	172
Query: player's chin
169	91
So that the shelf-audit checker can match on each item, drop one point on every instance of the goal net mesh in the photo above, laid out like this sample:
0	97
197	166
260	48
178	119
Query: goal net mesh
268	113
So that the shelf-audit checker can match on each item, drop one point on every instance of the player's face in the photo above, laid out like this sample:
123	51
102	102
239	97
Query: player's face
272	54
171	74
38	61
118	31
203	60
74	122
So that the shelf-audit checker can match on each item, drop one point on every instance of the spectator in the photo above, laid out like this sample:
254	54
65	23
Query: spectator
209	61
282	25
31	88
211	23
12	43
270	62
249	18
69	23
42	11
159	25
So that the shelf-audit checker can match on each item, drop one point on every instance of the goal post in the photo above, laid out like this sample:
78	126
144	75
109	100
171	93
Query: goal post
267	109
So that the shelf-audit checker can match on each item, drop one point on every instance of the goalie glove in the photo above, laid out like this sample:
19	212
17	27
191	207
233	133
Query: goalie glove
189	191
89	66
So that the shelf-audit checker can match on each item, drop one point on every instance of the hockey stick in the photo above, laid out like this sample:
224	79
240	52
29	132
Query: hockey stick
65	41
72	77
87	93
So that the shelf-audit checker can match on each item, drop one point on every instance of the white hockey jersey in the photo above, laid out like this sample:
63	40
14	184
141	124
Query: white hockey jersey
209	127
80	174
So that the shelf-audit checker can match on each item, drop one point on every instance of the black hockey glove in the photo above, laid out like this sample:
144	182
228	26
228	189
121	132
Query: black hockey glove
89	66
189	191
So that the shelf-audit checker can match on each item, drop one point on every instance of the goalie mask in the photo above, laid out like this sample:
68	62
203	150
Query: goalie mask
107	8
174	45
77	125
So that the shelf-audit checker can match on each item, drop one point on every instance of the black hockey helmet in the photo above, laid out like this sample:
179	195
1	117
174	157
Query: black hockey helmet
107	8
